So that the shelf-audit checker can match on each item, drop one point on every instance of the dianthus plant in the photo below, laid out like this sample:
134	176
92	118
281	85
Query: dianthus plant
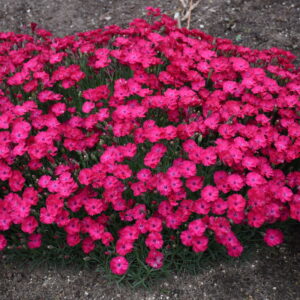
149	133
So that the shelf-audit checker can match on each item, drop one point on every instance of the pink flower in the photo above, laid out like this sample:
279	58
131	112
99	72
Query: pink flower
230	86
73	239
141	225
219	225
73	226
220	177
138	188
236	250
164	186
256	218
119	265
174	172
47	95
122	171
96	231
88	245
20	131
18	78
254	179
16	181
250	162
75	202
209	193
200	243
107	238
34	240
186	238
96	94
194	183
3	242
62	218
44	180
129	233
124	246
88	106
236	216
93	206
201	207
151	160
155	259
169	133
219	207
56	57
29	224
5	171
176	184
144	175
273	237
58	108
165	208
235	181
285	194
295	211
236	202
154	241
272	211
173	221
239	64
45	216
188	169
197	227
154	224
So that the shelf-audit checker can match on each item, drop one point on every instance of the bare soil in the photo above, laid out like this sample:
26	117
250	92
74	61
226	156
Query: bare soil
267	274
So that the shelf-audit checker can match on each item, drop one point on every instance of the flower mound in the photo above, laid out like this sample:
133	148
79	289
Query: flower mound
149	134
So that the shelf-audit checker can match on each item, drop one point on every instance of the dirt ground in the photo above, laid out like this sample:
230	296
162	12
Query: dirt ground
273	274
268	274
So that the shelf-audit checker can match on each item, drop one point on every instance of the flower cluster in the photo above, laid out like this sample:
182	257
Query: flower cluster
149	133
